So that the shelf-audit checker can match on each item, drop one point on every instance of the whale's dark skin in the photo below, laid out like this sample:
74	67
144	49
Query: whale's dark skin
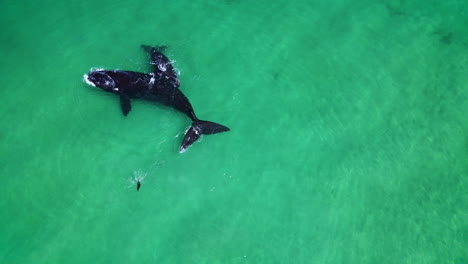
162	86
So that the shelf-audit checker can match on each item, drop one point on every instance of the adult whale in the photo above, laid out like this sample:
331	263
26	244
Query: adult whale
162	86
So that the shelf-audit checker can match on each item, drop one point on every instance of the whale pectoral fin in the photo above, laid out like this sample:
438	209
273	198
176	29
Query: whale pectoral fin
125	104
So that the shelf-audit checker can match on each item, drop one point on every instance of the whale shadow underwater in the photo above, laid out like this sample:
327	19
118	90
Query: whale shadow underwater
161	86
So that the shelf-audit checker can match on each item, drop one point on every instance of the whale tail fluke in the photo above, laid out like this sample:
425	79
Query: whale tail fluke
199	128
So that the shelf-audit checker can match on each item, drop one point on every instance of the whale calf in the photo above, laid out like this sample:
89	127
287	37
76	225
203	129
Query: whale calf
161	85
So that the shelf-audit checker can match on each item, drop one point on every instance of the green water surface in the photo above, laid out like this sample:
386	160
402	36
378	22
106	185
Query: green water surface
348	141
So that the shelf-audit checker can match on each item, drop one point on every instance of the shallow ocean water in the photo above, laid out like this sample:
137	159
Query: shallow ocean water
348	142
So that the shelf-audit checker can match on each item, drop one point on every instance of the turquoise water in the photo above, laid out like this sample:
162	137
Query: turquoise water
348	142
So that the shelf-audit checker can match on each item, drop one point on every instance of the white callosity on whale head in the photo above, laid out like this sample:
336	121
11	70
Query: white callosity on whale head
86	77
86	80
152	80
162	67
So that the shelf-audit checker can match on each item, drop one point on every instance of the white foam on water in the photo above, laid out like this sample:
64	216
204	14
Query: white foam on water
139	176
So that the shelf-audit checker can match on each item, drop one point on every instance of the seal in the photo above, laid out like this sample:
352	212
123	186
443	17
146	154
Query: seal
161	85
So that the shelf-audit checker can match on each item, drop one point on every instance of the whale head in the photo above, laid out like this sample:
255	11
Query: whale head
101	79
